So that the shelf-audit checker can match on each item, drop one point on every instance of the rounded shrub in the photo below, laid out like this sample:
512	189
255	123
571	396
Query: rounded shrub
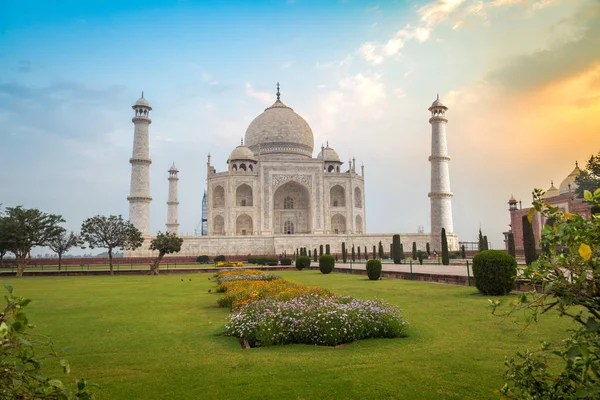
326	263
374	269
302	262
494	272
219	258
203	259
286	261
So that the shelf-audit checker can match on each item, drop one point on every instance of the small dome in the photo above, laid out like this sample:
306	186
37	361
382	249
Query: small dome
142	102
437	103
551	192
330	154
173	168
512	199
569	184
242	153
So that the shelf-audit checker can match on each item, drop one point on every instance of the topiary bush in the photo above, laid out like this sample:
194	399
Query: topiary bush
203	260
219	258
374	269
494	272
286	261
326	263
302	262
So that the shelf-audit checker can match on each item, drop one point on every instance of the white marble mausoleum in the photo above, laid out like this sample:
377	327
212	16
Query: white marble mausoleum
275	197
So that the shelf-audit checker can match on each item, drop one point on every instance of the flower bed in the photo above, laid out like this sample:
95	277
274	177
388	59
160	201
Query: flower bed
268	310
241	292
227	264
312	319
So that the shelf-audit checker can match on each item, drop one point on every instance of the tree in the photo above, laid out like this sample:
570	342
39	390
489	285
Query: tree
463	252
344	255
428	249
315	254
380	251
320	250
511	243
22	375
589	178
353	254
22	229
374	252
485	243
401	251
63	242
111	232
481	242
445	255
366	254
397	249
327	249
414	251
164	243
528	240
565	281
358	253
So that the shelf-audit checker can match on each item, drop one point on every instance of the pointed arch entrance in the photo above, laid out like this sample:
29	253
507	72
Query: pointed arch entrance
292	209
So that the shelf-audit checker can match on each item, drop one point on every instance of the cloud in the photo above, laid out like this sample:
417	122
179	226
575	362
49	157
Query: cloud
557	62
334	64
264	97
366	89
376	53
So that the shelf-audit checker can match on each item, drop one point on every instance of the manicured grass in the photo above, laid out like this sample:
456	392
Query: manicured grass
157	337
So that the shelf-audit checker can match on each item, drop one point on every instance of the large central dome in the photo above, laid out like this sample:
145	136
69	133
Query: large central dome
279	130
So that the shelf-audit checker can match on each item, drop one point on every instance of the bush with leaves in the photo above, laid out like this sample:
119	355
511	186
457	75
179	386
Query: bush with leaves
567	282
164	243
374	269
302	262
219	258
21	374
494	272
204	259
326	263
287	260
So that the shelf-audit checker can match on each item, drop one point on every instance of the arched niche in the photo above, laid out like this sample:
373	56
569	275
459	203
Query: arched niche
243	225
357	197
337	196
243	196
218	225
218	197
338	224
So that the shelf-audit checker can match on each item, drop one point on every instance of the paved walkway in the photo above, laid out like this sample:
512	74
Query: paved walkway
452	269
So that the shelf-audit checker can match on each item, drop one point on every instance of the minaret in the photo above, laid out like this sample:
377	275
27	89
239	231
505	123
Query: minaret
172	203
440	195
139	195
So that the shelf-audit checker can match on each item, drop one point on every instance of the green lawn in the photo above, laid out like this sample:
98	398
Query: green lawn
146	337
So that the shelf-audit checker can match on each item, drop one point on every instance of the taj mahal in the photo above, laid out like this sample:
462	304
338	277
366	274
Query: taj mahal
274	196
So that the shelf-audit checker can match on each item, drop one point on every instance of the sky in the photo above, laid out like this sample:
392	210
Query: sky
521	79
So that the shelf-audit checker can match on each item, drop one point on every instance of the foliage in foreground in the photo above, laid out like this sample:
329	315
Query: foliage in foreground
22	376
312	319
495	272
567	276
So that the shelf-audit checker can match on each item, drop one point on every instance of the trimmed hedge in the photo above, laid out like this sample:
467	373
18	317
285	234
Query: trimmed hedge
374	269
326	263
272	261
302	262
219	258
286	261
494	272
203	259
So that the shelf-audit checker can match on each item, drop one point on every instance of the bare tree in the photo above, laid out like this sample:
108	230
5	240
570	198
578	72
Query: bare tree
63	242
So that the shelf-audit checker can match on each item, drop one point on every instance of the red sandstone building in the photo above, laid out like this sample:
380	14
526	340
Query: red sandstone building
564	198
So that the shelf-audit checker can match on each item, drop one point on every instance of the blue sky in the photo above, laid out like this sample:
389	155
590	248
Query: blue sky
521	78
